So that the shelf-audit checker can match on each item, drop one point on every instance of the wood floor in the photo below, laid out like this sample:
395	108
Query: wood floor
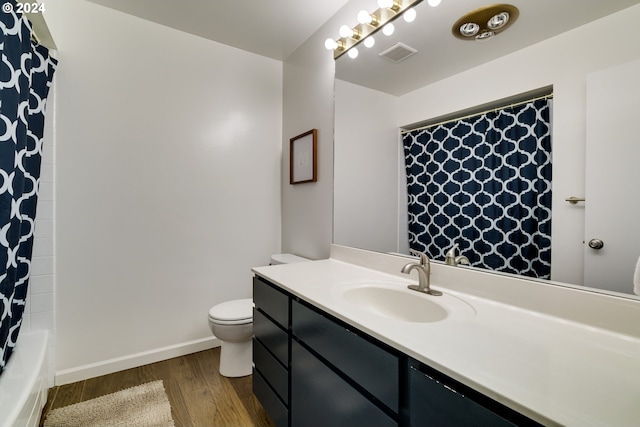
199	395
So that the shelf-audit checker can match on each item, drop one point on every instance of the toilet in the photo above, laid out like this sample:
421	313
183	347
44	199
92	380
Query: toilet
232	323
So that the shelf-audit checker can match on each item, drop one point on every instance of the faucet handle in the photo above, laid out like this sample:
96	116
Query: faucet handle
461	259
424	259
452	251
451	258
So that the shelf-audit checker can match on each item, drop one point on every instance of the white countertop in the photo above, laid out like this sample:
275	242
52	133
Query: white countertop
554	370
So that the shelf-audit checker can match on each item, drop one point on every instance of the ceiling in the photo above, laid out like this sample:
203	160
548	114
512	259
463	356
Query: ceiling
272	28
441	55
276	28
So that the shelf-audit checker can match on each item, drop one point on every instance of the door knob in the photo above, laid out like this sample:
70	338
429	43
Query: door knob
596	244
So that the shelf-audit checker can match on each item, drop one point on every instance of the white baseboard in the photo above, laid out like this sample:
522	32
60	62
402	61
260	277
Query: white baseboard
110	366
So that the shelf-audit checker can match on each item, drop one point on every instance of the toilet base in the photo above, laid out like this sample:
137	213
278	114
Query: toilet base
236	358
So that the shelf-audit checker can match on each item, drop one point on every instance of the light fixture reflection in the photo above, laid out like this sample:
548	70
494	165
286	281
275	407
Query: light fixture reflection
364	17
369	42
498	21
485	35
330	44
433	3
345	31
469	29
353	53
409	15
485	22
371	22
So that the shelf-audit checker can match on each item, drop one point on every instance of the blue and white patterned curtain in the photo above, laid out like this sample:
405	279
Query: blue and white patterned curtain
26	71
484	182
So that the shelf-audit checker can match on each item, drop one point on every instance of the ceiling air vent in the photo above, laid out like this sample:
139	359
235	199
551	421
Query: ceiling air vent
398	52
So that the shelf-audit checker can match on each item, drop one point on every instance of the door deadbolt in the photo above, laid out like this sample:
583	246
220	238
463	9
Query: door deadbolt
596	244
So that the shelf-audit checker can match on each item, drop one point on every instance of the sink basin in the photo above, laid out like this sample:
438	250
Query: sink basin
396	304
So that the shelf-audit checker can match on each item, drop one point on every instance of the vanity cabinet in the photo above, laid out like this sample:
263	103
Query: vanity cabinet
338	376
437	400
271	350
312	369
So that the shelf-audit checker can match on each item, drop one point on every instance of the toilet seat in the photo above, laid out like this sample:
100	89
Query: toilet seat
236	312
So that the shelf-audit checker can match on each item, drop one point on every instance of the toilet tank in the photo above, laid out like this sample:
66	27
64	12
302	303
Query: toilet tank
286	259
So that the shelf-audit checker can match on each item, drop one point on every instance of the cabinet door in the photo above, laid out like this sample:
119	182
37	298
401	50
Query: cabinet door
435	401
277	410
271	301
271	350
320	397
272	370
372	367
271	336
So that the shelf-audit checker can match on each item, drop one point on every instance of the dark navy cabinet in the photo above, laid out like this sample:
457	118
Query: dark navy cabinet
322	397
312	369
340	377
437	400
271	345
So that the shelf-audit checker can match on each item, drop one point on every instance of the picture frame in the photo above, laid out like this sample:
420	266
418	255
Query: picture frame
303	164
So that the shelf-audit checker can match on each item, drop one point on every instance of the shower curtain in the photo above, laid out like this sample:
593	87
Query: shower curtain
26	71
484	182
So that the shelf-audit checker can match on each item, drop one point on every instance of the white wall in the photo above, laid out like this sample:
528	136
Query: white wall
307	209
564	62
365	204
166	189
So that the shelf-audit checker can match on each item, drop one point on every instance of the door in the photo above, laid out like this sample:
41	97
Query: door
612	206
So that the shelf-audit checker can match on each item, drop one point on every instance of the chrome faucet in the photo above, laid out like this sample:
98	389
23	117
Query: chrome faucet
451	259
424	271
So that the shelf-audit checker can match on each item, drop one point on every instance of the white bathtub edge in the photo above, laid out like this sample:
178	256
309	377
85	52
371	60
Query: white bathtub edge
23	385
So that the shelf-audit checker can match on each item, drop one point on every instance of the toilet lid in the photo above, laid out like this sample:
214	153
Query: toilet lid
239	309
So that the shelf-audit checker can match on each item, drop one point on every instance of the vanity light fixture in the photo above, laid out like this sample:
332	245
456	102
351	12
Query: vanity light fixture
370	23
485	22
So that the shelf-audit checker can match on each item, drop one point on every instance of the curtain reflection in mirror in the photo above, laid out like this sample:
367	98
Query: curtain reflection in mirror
484	182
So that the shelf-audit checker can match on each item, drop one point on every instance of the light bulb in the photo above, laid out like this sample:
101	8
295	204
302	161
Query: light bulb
485	35
409	15
369	41
353	53
364	17
385	4
469	29
345	31
498	21
330	44
433	3
388	29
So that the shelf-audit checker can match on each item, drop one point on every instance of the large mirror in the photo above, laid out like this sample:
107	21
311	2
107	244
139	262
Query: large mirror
584	51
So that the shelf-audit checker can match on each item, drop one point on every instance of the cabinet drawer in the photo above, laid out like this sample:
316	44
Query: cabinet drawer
271	301
437	400
320	397
273	372
277	411
369	365
271	336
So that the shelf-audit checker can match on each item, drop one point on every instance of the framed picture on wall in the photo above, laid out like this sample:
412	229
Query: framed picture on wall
303	165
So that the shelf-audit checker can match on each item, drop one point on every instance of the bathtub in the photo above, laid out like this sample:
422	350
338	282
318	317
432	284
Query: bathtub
24	384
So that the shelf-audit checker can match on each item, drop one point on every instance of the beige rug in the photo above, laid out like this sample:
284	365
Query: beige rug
146	405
